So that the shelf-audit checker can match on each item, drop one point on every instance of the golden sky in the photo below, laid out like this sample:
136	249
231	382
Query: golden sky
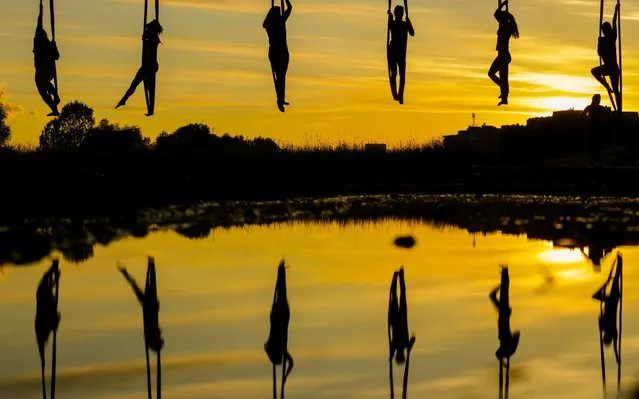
214	67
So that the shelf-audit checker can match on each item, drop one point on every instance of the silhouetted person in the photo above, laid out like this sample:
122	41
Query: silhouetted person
149	68
607	50
276	346
45	54
400	30
275	25
508	341
598	117
398	320
608	317
47	316
150	306
507	29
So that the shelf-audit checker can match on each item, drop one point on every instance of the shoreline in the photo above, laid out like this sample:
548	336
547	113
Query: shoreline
597	222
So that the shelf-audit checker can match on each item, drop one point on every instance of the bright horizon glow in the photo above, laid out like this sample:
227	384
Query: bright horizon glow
561	256
214	67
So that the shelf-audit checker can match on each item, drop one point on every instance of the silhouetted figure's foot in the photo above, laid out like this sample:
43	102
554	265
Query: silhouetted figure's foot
401	99
280	106
286	103
149	114
121	103
54	113
504	101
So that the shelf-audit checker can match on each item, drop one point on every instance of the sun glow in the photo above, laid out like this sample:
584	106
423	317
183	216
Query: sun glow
561	256
558	103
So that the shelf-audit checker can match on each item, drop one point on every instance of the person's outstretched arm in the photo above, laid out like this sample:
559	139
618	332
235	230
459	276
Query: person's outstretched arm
411	30
39	27
133	283
498	10
287	12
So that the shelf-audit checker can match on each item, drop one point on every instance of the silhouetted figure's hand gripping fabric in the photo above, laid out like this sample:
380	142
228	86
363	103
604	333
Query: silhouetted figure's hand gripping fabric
400	345
150	311
507	29
276	346
45	54
607	50
148	71
508	341
399	31
275	26
47	318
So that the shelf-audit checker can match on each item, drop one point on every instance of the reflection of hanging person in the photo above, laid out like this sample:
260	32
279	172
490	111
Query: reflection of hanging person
607	50
148	71
398	338
276	346
507	29
47	318
398	320
45	54
610	303
150	313
275	25
508	341
399	30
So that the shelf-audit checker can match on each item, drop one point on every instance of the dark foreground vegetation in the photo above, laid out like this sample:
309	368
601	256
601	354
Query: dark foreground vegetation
83	168
598	224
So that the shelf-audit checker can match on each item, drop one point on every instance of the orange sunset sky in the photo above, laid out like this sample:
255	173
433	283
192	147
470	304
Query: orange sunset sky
214	67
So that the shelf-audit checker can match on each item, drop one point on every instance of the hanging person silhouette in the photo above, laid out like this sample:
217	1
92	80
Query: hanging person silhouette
275	26
398	320
47	318
607	50
148	71
507	29
399	30
45	54
508	340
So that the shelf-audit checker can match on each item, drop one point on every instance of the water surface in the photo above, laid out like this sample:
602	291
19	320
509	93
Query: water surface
216	294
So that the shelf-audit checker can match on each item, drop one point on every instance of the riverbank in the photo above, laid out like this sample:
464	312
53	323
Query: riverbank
45	185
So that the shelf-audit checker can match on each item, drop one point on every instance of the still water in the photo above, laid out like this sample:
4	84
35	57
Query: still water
216	294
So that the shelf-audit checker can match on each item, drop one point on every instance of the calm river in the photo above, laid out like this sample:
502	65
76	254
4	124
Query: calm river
216	294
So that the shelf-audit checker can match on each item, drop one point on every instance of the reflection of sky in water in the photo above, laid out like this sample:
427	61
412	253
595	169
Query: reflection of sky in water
215	298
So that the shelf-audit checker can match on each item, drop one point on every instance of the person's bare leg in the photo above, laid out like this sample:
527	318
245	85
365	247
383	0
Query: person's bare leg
599	74
150	87
402	83
139	78
492	71
504	86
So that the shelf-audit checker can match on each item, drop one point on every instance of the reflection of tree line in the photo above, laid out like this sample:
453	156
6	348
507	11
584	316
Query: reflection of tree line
276	347
600	227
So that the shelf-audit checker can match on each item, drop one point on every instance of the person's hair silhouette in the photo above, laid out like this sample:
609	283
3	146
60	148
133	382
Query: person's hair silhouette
607	50
149	68
399	30
45	54
507	29
275	26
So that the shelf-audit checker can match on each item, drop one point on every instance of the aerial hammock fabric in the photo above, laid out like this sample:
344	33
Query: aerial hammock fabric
391	63
616	105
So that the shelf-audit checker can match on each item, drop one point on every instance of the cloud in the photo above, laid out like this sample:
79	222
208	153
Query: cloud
9	107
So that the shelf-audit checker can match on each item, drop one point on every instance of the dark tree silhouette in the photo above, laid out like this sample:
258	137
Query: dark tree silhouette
70	129
5	130
192	136
107	137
